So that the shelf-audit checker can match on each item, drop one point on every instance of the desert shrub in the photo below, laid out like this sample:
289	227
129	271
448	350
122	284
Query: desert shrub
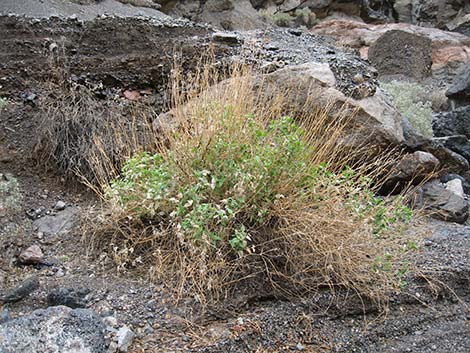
242	196
282	19
414	103
306	17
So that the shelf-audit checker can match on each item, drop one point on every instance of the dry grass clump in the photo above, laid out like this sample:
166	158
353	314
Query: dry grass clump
83	136
242	197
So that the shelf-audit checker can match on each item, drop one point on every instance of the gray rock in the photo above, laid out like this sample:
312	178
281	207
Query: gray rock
455	186
54	330
375	117
465	184
413	167
4	316
459	144
226	37
451	161
416	165
71	297
60	205
443	203
399	53
58	224
460	89
124	338
31	256
22	290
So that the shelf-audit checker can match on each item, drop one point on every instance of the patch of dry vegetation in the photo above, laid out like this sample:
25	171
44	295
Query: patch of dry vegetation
228	193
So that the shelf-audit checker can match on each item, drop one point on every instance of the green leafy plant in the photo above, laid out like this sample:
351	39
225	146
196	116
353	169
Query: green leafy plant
283	19
413	103
240	194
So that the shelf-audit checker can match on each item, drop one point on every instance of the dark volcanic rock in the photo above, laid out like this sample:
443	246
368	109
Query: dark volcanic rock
22	290
56	329
458	143
459	91
455	122
71	297
402	53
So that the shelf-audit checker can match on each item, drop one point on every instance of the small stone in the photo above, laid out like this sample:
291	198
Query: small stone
59	206
110	321
124	338
358	78
4	316
113	347
31	256
300	346
225	37
455	186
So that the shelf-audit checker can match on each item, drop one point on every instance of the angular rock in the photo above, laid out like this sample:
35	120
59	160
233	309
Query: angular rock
57	224
459	91
22	290
443	203
399	53
458	144
413	167
455	122
55	329
451	161
60	205
416	165
450	51
375	119
124	337
455	186
31	256
465	184
71	297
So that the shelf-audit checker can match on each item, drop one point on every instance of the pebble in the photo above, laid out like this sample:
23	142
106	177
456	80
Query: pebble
31	256
60	206
110	321
124	338
4	316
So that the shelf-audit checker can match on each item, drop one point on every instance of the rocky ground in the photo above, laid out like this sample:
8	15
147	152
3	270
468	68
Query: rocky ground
59	296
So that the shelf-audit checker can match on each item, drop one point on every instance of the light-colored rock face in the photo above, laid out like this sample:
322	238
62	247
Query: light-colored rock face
57	329
448	49
455	186
375	119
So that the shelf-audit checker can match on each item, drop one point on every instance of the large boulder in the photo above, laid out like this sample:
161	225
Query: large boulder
375	120
57	329
450	51
403	54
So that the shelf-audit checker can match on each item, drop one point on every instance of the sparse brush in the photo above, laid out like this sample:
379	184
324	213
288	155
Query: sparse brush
242	197
83	136
414	103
